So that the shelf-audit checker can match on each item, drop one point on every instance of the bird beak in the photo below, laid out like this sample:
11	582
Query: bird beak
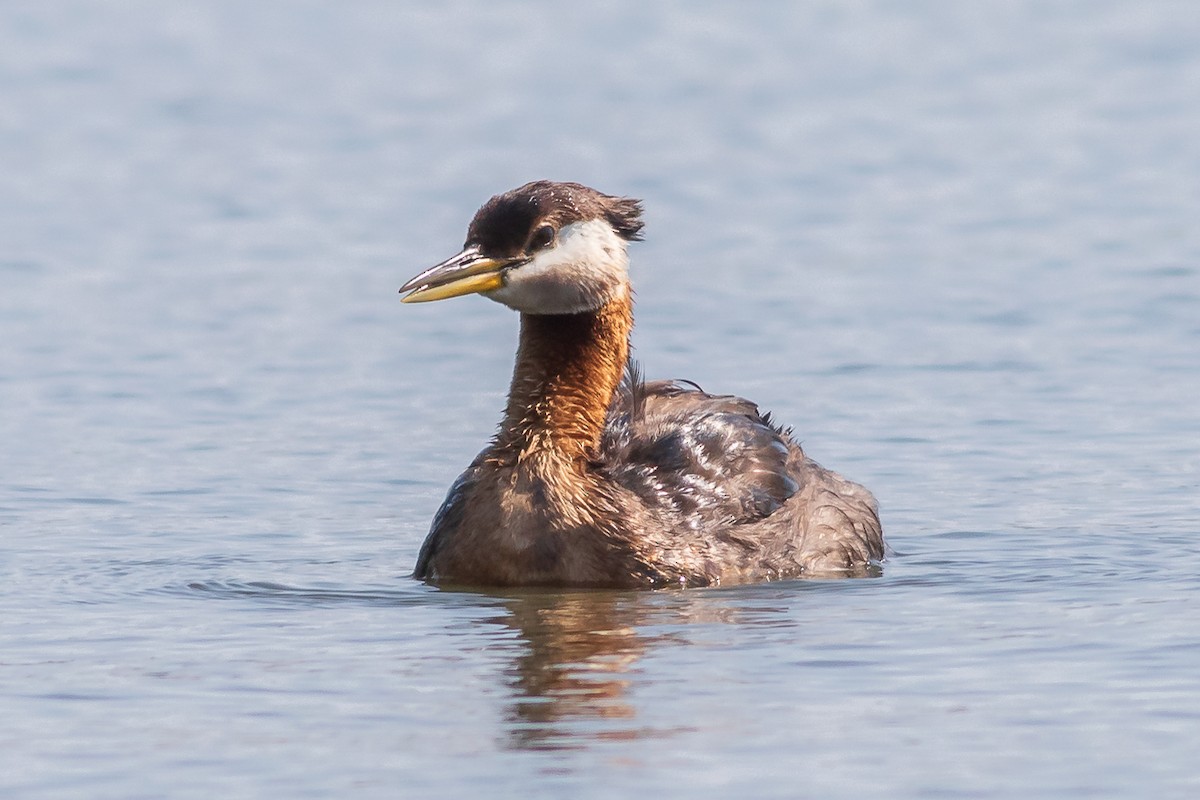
469	272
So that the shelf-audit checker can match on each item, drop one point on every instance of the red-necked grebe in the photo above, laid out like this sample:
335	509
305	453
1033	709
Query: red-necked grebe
597	478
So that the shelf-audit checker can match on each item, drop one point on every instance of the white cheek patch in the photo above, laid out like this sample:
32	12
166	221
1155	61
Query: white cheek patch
581	272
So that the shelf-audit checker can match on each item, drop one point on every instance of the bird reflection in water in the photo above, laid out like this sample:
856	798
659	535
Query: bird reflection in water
581	648
580	656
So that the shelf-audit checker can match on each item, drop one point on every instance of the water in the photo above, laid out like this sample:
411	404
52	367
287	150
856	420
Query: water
955	245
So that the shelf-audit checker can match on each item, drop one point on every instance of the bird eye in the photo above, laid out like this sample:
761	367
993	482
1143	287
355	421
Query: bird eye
541	238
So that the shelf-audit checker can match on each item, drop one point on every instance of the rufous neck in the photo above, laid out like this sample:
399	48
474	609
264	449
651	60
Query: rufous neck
568	367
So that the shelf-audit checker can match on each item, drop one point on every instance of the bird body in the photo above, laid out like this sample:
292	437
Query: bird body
597	478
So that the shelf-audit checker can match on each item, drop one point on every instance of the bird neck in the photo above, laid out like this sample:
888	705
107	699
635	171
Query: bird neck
568	367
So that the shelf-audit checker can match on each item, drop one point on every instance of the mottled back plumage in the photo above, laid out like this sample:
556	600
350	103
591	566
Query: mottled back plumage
707	460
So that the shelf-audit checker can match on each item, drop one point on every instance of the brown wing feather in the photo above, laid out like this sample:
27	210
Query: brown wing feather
714	463
710	459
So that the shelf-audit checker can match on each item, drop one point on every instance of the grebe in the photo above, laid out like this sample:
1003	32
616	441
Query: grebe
597	478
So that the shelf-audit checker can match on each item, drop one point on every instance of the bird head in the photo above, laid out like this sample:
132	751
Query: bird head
543	248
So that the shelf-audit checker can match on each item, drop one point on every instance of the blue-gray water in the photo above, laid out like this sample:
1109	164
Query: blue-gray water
956	245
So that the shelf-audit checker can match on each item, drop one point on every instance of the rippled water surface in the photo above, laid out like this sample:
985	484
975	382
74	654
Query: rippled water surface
955	245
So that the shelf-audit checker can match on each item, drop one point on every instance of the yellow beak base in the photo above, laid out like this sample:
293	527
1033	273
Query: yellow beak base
469	272
471	284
